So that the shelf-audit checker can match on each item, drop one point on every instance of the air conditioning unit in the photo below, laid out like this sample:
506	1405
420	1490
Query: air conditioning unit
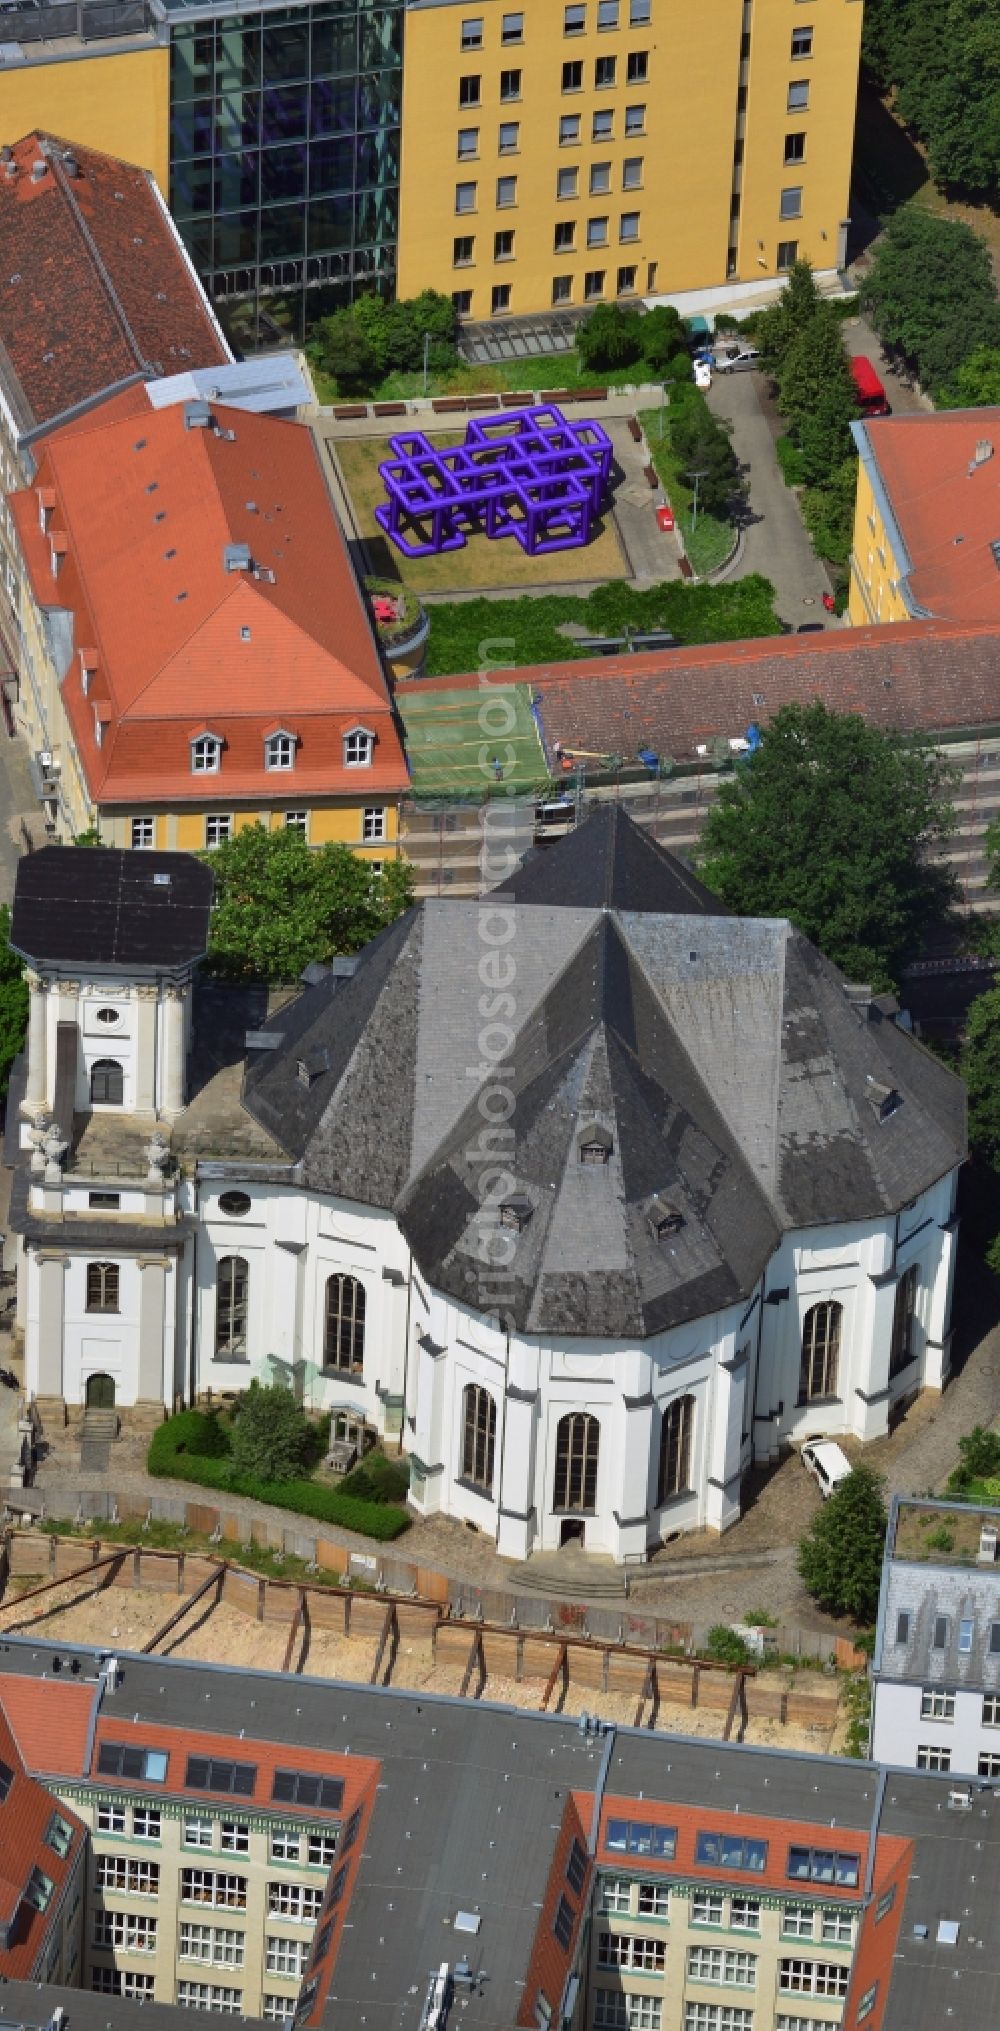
46	761
988	1545
959	1801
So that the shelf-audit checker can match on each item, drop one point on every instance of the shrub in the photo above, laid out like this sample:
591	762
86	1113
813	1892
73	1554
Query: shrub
791	462
304	1498
940	1540
609	337
840	1556
724	1646
662	336
270	1435
980	1453
195	1433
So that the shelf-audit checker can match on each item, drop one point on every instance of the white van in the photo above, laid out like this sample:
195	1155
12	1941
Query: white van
827	1464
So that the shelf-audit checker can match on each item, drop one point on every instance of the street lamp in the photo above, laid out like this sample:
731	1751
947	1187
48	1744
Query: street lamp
696	474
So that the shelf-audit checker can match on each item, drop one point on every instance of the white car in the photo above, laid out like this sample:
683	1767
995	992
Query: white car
827	1464
733	357
702	374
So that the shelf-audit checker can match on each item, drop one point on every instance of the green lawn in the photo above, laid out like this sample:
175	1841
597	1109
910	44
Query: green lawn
708	541
532	627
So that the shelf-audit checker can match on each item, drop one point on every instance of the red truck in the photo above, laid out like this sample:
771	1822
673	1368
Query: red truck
871	396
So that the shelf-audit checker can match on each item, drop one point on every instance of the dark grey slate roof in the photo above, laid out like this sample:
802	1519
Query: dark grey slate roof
738	1085
99	907
615	865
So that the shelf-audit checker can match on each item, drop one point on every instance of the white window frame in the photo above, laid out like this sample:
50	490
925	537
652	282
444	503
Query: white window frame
199	1833
359	742
296	1903
279	751
206	755
143	834
937	1703
210	1996
285	1845
287	1957
218	828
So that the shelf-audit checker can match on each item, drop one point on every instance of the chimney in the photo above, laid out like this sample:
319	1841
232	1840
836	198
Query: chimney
71	165
38	170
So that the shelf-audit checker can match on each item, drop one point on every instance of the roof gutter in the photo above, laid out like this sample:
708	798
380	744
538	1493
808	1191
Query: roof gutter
599	1788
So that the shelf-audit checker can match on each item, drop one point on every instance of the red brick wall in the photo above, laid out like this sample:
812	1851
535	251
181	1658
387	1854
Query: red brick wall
550	1963
877	1940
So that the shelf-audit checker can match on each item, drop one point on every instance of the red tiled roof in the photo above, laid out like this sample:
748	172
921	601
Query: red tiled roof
148	508
930	676
24	1817
95	284
358	1772
946	505
50	1721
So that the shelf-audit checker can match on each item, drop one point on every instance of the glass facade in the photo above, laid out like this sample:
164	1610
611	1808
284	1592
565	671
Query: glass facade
284	158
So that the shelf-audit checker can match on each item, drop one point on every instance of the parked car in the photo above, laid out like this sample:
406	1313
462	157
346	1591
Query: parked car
733	356
811	628
871	396
827	1464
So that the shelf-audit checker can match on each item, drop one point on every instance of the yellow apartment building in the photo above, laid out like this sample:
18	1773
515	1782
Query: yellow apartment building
925	521
586	150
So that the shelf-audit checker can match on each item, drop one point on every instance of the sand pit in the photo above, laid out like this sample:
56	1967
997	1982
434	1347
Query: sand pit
83	1610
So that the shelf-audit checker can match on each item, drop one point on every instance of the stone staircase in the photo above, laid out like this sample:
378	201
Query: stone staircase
97	1432
570	1576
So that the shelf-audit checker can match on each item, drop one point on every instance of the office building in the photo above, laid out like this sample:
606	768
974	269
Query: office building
936	1667
516	161
571	154
256	1845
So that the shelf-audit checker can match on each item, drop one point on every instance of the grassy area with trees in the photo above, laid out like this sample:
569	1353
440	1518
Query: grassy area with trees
942	60
268	1449
280	903
802	348
739	611
829	823
931	295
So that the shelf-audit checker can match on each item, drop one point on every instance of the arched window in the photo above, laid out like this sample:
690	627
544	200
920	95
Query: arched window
479	1431
102	1287
107	1083
820	1352
578	1440
231	1290
344	1342
904	1319
676	1431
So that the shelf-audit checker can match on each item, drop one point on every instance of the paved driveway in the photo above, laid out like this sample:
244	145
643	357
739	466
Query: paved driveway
775	541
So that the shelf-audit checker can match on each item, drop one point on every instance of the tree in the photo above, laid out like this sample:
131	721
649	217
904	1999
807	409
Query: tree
840	1556
816	394
271	1434
976	383
828	513
13	1002
280	904
930	293
981	1072
662	335
343	349
829	823
702	446
609	337
780	325
943	56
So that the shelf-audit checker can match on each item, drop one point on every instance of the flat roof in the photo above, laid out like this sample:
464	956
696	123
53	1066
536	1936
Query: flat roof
469	1802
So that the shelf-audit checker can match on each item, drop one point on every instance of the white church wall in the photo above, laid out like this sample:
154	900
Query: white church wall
101	1343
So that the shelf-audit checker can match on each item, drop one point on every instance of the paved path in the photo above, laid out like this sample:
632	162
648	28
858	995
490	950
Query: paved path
776	542
617	404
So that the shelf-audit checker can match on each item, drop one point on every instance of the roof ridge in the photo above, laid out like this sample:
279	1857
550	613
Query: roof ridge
62	183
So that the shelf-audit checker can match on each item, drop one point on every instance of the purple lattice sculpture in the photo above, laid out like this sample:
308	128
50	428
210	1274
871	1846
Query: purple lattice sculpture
527	473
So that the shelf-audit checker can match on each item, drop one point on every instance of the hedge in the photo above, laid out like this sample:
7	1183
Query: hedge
186	1448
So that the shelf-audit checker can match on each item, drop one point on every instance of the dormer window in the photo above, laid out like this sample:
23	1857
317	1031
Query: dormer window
279	751
206	755
883	1100
663	1218
595	1144
358	748
516	1212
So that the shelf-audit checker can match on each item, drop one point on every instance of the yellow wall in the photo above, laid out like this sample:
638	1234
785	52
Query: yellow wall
118	103
823	176
875	568
184	831
690	97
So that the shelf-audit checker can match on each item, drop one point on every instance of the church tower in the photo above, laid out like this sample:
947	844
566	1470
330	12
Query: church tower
111	941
